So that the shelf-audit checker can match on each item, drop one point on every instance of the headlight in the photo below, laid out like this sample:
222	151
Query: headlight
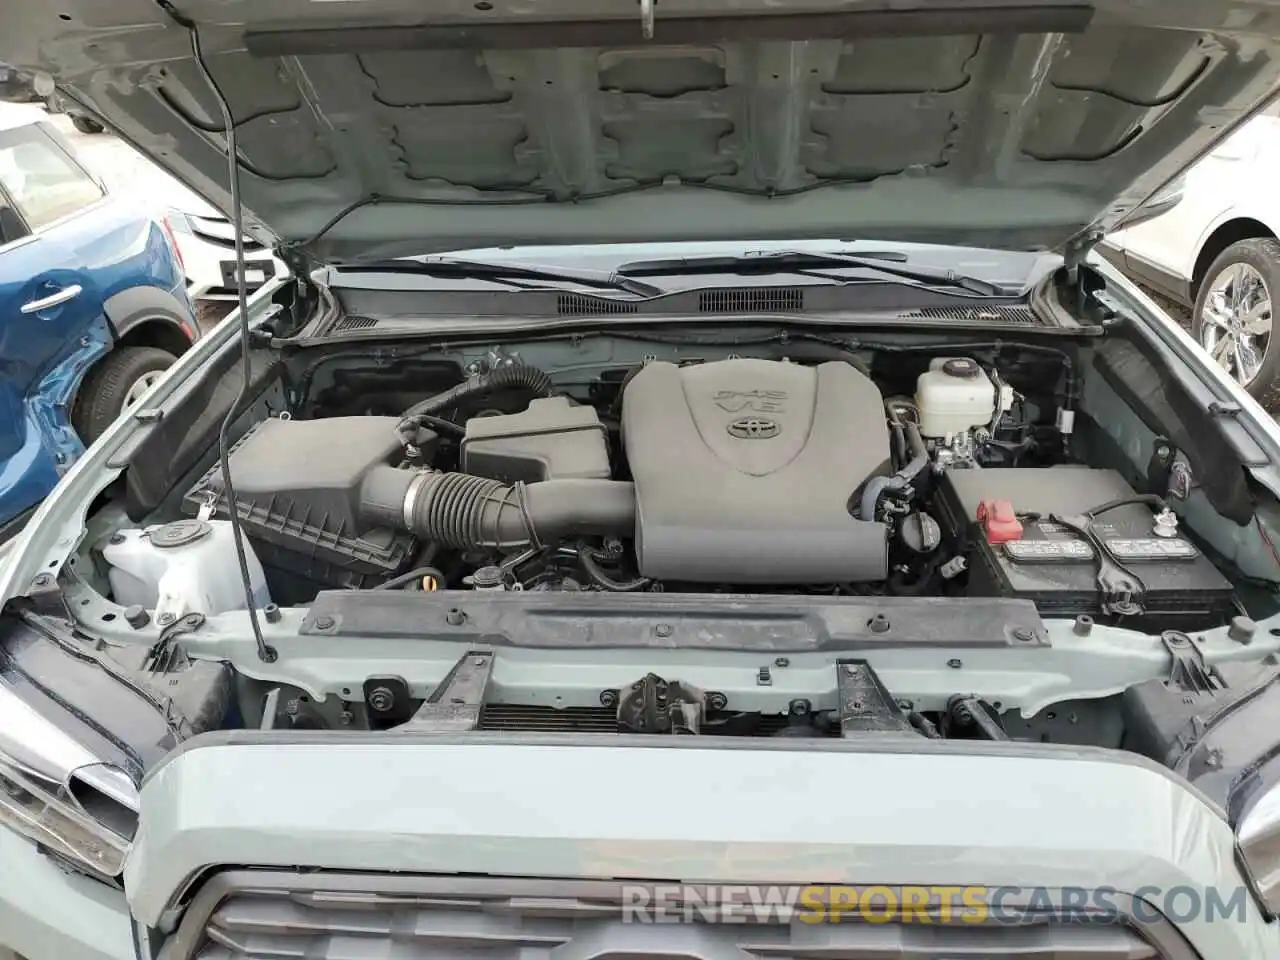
1258	837
55	791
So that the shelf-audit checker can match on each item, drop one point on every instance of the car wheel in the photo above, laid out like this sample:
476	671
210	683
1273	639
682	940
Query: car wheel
114	385
1233	312
86	125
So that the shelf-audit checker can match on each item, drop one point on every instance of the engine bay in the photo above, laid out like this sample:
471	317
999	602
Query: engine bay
733	475
759	492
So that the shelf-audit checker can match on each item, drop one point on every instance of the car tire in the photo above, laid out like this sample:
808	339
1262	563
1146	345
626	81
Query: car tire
86	125
1235	309
120	377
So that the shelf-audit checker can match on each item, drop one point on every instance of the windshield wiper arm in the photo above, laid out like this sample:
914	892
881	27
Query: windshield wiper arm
480	269
801	262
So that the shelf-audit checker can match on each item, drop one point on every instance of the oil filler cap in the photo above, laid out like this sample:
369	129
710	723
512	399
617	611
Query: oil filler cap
180	533
963	368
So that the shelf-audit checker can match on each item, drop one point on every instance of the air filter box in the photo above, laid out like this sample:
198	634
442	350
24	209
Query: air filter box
297	485
552	440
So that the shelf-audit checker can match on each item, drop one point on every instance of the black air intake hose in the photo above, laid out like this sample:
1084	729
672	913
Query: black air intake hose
466	512
517	375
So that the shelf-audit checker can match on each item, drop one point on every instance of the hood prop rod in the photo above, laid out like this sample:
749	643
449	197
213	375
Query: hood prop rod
266	653
646	19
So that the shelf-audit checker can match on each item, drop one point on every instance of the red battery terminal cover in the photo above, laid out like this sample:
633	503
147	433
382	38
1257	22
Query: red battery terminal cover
999	522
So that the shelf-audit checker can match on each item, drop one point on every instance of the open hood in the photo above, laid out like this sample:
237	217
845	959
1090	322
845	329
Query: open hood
371	128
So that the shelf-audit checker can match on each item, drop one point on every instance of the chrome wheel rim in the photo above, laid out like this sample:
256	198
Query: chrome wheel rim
140	387
1235	321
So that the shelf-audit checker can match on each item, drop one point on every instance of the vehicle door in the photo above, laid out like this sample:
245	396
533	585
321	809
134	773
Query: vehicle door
48	297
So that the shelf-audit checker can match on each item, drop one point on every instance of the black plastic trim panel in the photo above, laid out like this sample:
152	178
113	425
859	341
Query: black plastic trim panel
1161	279
808	299
689	621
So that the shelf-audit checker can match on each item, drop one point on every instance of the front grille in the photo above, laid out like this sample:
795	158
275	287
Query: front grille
528	718
984	313
755	300
531	719
252	915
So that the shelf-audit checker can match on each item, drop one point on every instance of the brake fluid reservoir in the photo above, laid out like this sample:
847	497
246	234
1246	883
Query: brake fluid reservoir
188	566
954	395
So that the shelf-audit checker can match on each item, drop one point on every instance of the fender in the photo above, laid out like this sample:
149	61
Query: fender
128	308
1236	211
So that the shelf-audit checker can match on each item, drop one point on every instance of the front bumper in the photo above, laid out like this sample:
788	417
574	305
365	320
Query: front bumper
1025	816
207	279
386	824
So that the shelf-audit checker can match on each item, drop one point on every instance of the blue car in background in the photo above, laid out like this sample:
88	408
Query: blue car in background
93	308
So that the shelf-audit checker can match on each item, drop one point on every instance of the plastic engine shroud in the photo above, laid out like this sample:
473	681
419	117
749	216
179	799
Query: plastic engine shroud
744	471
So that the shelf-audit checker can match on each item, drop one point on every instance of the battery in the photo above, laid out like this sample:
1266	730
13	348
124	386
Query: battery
1057	569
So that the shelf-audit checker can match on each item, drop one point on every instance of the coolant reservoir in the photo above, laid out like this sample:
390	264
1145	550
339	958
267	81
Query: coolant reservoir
954	395
188	566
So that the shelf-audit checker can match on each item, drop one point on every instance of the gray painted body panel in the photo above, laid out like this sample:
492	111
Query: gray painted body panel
540	648
398	128
753	813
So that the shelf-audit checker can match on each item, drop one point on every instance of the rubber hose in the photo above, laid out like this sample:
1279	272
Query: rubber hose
915	446
899	444
395	583
465	512
871	494
517	375
422	413
877	486
438	424
590	562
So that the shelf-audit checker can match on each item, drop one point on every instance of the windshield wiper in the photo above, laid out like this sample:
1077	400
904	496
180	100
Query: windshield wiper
480	269
802	263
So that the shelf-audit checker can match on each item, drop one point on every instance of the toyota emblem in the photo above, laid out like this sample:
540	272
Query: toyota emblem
754	428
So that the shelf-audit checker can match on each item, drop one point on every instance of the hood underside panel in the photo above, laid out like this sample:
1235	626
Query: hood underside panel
1016	126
